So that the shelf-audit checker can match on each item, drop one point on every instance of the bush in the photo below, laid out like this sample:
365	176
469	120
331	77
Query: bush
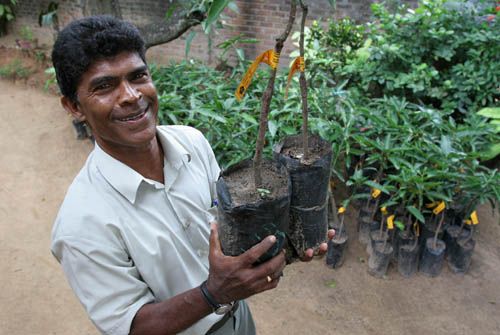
440	55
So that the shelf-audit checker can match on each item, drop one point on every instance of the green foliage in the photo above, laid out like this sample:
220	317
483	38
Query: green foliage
15	70
215	9
437	54
6	10
26	33
494	114
51	80
328	49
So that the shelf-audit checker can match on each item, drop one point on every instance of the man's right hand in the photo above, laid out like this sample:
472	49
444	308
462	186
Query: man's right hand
235	278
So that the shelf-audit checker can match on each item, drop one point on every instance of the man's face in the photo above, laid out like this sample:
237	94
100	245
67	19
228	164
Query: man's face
117	98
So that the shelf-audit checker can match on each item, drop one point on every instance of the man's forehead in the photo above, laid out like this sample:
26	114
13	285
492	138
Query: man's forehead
121	64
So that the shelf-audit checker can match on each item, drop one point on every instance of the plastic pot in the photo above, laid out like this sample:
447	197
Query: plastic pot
336	251
376	238
459	259
451	235
432	259
428	230
379	260
408	256
400	238
309	197
241	226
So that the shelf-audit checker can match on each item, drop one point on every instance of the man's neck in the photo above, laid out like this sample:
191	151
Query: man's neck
147	160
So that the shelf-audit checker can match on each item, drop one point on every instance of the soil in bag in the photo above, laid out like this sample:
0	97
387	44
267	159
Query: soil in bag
245	216
309	198
431	262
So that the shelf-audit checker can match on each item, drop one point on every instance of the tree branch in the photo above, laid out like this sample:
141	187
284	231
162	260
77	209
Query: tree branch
165	31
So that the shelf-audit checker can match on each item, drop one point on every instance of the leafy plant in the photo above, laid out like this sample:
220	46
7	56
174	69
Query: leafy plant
26	33
438	55
15	70
494	115
6	14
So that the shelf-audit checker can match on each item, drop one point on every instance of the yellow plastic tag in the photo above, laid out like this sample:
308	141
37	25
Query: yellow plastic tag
473	217
375	193
297	65
431	205
384	210
439	208
417	229
269	57
341	210
390	222
468	222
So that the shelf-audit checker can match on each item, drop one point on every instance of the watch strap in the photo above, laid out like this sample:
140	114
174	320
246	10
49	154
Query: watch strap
208	296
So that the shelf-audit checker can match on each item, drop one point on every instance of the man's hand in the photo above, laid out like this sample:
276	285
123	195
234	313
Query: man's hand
235	278
309	254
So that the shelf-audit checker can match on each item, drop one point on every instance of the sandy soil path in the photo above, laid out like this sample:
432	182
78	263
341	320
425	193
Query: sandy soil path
40	157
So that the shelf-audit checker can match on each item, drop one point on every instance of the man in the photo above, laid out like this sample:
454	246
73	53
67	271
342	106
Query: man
133	233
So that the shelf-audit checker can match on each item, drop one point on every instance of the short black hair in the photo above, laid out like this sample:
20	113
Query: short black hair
84	41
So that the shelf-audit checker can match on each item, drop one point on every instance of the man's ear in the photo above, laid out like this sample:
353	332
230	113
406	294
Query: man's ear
73	108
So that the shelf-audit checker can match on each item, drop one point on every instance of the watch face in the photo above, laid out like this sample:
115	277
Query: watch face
223	309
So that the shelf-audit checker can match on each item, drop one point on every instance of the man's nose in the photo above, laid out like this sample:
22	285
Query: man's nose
128	93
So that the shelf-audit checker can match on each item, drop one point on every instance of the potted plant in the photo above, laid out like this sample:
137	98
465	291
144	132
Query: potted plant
338	245
308	160
254	196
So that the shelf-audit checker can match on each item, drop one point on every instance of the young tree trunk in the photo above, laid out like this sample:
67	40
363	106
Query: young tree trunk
266	100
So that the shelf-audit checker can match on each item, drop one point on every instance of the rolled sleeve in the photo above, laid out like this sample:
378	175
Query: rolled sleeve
105	280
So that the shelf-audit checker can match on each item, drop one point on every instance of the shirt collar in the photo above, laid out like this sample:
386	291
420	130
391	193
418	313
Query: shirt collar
126	180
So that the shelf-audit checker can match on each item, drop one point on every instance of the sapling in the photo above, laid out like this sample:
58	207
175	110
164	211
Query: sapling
266	99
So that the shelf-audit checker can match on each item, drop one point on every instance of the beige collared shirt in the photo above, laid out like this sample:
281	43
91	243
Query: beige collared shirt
124	240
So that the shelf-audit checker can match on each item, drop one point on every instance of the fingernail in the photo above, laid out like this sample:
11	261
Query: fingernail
272	238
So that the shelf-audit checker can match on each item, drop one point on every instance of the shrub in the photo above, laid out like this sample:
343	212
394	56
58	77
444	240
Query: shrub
440	55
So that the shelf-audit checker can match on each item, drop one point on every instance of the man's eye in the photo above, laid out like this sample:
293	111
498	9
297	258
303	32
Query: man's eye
102	87
141	75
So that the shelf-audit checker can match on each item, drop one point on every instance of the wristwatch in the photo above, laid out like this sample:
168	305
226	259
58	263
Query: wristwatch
219	309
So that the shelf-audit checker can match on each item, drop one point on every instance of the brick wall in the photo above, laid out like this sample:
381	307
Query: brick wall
260	19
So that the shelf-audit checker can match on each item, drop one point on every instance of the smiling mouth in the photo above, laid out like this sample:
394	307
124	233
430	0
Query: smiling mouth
134	117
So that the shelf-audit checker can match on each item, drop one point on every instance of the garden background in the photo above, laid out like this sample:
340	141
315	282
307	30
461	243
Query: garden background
400	96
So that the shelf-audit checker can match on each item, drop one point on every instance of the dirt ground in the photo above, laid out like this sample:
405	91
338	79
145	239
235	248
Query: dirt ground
40	157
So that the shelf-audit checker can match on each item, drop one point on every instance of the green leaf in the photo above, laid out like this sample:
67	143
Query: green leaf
491	152
445	145
214	11
416	213
211	114
2	10
373	184
400	225
189	40
331	283
491	112
249	118
273	127
170	11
